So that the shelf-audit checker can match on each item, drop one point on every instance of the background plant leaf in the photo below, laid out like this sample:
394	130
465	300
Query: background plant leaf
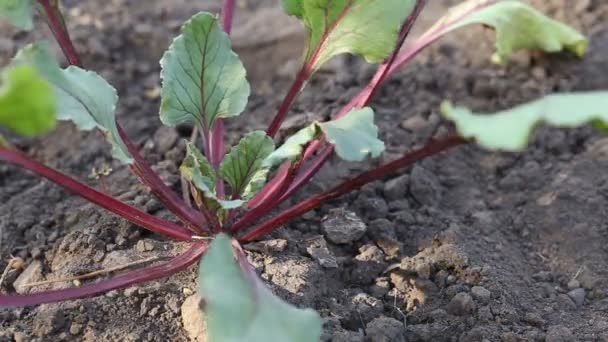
355	136
27	102
84	97
518	26
203	79
18	12
242	167
510	130
367	28
239	307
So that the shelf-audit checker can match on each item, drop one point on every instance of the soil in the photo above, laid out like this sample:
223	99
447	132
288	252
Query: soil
465	246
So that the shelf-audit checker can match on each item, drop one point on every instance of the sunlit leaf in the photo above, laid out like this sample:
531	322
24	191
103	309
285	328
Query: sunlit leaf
510	130
293	147
84	97
367	28
27	102
203	79
18	12
242	167
355	136
518	26
239	307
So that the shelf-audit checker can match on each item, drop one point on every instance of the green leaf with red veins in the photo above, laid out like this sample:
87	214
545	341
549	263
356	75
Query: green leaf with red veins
510	130
239	306
367	28
203	79
27	102
18	12
518	26
242	167
83	96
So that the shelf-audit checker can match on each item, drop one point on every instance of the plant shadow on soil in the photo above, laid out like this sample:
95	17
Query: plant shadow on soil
481	246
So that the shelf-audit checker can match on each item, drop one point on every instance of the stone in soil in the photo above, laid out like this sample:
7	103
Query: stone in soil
317	249
424	186
578	296
461	305
559	333
481	294
396	188
32	273
193	319
385	329
343	227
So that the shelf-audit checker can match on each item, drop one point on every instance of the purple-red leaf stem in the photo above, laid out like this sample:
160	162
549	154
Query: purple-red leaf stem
57	26
126	211
144	274
166	195
316	201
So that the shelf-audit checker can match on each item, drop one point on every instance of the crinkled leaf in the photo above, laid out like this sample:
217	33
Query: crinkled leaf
84	97
27	102
239	307
196	169
195	159
203	79
509	130
367	28
354	135
518	26
242	167
18	12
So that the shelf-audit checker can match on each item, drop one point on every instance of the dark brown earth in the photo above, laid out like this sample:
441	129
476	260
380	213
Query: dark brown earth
465	246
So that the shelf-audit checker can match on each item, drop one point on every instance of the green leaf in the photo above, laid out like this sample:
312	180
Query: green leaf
203	79
239	307
354	136
509	130
84	97
196	160
27	102
367	28
293	147
242	167
518	26
196	169
18	12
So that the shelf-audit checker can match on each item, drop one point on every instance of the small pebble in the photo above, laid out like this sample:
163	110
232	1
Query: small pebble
578	296
461	305
573	284
559	333
481	294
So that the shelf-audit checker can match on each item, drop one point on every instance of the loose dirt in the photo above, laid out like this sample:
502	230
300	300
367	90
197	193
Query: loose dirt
465	246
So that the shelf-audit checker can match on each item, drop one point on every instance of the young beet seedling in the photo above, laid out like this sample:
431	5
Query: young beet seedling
203	83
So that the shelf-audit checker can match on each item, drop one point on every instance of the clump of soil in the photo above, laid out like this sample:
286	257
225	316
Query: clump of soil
465	246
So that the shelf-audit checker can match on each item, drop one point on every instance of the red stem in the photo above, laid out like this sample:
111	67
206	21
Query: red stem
57	26
216	137
126	211
173	266
350	185
291	96
168	197
272	196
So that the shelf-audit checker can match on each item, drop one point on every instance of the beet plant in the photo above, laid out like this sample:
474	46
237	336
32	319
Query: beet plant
235	191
